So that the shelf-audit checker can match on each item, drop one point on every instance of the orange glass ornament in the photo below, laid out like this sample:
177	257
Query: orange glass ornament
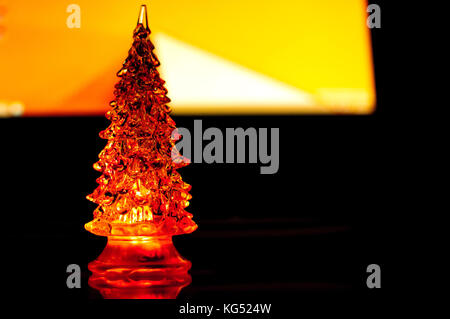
139	267
141	197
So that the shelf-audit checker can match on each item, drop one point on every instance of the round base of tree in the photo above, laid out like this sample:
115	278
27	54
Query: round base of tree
139	267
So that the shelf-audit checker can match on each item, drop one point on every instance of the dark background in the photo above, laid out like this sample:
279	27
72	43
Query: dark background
302	237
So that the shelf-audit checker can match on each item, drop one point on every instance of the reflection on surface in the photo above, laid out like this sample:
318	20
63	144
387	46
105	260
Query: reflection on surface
138	267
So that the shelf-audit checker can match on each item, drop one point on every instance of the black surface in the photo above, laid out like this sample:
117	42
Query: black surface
311	228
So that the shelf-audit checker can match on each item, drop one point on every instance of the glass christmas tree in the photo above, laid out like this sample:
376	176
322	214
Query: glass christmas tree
140	192
141	197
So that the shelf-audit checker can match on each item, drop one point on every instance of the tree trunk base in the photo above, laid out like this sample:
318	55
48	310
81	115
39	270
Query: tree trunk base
137	267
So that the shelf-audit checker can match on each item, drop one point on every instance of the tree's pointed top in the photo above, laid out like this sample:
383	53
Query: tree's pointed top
143	16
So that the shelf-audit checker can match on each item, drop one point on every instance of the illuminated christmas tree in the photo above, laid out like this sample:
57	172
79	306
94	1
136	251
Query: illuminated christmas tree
140	192
141	197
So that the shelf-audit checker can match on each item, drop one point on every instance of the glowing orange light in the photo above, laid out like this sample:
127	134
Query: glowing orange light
139	267
317	55
141	197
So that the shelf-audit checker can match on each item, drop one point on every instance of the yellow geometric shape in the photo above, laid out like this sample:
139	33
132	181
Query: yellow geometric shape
321	48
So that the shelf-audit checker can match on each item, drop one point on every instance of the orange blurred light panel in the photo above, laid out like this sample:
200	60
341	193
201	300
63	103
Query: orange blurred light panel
285	56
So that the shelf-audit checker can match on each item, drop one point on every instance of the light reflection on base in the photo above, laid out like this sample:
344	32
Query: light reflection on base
139	268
